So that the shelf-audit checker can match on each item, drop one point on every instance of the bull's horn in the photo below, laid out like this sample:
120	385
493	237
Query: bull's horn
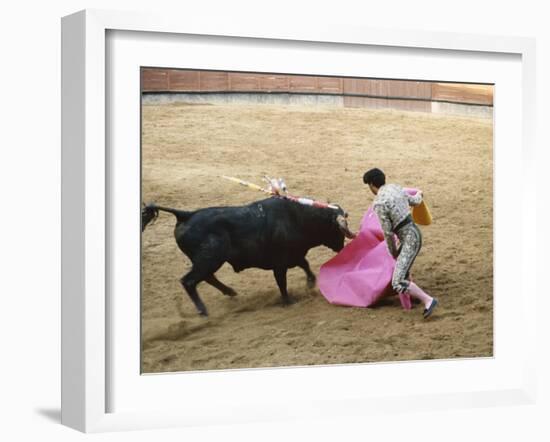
342	223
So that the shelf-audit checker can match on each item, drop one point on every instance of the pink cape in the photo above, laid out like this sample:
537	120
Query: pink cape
361	273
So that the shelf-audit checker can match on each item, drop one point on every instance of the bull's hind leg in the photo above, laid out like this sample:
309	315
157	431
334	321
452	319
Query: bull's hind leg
215	282
189	283
311	279
203	268
280	277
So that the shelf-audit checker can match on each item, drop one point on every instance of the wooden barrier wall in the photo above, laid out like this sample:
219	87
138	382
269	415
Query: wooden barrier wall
357	92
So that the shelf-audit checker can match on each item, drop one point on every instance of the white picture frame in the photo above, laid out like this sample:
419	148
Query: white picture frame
86	356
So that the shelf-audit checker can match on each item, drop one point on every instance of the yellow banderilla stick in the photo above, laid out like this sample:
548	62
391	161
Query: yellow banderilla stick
247	184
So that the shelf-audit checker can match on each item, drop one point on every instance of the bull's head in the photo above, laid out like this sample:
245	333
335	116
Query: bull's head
342	221
336	242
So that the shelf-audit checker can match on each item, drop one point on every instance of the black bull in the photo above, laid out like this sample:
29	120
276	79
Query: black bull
272	234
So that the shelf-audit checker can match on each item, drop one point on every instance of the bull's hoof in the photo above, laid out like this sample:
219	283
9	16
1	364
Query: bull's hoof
203	313
230	292
288	301
311	283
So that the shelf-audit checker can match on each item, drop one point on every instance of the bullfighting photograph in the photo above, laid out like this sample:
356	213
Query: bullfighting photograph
295	220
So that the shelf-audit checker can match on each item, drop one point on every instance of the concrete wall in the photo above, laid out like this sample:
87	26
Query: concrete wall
318	100
245	98
194	86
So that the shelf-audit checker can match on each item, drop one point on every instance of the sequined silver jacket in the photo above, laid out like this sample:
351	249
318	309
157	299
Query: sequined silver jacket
392	205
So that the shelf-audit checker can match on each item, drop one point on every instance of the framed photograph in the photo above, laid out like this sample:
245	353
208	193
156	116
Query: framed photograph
203	128
186	145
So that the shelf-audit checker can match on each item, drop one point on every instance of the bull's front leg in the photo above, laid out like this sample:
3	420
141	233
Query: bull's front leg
280	277
311	279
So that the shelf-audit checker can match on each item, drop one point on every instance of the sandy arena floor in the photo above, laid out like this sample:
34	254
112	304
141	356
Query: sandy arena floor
322	153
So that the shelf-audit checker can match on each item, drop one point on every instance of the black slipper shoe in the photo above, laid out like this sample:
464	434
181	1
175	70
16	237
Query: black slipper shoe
428	311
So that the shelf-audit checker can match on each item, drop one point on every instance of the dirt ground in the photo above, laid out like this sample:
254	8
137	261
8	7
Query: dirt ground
322	152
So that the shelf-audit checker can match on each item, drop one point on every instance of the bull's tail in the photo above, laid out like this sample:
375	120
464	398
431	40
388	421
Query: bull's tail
151	211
